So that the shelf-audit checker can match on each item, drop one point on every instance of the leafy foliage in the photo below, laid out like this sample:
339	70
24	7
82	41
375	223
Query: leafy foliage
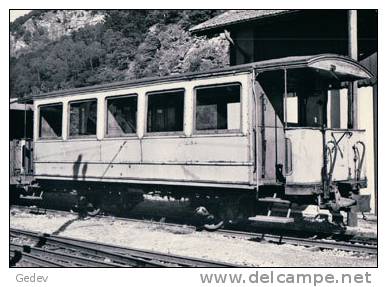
128	44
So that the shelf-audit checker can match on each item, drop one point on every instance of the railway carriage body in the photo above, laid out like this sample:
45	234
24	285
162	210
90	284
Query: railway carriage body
163	151
227	129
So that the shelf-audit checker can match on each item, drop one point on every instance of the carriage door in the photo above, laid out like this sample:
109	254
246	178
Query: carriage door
271	137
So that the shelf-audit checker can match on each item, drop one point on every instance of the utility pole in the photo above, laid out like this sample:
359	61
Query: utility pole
352	52
352	93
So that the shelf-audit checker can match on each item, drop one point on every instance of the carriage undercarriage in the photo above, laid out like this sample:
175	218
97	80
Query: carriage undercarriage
211	208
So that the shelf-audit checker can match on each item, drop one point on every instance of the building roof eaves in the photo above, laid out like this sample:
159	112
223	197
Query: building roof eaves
234	17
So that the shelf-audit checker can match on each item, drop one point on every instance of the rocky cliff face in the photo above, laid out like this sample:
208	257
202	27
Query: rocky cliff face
56	49
170	50
50	26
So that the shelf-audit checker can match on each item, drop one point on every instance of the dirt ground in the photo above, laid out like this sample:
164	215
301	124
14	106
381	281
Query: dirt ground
188	242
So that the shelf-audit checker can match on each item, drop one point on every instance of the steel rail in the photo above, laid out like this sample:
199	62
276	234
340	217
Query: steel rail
15	256
60	258
141	258
32	259
88	251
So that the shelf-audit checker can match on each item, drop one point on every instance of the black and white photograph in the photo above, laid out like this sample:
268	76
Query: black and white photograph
205	139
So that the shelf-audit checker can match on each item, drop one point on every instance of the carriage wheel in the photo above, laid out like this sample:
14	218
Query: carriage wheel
86	208
92	210
207	220
215	225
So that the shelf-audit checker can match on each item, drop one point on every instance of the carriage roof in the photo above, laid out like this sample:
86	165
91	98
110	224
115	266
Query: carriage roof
344	67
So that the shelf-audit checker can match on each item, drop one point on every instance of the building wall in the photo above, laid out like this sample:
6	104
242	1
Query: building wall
303	33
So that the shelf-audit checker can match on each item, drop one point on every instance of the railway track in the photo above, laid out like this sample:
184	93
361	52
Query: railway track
350	245
58	251
40	257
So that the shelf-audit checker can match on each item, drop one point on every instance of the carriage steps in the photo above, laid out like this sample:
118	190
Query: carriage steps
34	196
274	219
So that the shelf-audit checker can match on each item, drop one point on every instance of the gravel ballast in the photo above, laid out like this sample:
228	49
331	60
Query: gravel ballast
186	241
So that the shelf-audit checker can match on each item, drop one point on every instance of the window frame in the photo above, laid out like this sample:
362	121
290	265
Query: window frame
69	119
217	131
39	122
106	135
167	133
289	123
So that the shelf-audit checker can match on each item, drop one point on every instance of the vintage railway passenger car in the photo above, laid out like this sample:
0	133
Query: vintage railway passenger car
20	147
225	133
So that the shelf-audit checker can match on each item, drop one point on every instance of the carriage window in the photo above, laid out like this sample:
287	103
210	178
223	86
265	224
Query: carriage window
50	121
165	111
83	118
218	108
121	115
292	109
